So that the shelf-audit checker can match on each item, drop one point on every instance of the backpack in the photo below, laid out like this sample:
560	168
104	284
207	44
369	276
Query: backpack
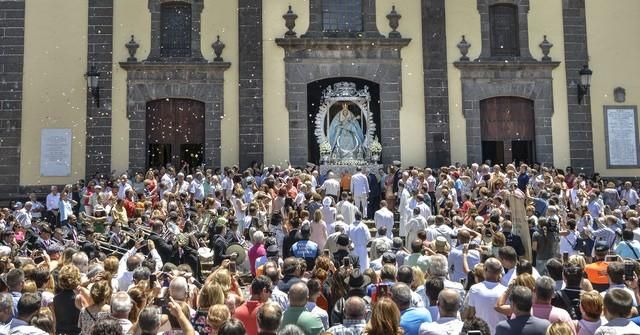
572	306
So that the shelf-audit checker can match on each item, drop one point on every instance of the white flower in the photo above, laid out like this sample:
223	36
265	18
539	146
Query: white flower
375	147
325	148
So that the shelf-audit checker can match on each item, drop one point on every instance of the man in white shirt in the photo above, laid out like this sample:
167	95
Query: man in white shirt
448	323
360	235
440	229
196	188
384	218
360	190
53	205
425	210
331	186
23	215
181	185
483	296
168	178
131	260
123	186
630	195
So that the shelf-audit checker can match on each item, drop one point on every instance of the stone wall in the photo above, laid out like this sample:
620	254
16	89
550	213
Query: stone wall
436	83
12	14
100	54
576	55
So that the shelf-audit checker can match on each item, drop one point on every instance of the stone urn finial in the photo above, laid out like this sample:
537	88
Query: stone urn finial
394	22
218	46
464	49
290	22
546	47
132	47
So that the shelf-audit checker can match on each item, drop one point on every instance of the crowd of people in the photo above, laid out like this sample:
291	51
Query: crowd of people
475	250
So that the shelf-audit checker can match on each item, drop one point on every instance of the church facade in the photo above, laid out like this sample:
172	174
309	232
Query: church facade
101	86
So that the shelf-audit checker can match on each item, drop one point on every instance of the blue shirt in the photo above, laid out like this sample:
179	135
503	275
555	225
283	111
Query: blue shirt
628	249
411	319
307	250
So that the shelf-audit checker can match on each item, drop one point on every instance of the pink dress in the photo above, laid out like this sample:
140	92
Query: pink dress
319	234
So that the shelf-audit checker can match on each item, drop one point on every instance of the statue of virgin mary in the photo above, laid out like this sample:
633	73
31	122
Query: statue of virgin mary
345	135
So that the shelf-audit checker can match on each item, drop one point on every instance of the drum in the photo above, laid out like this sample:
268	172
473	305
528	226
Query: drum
238	249
205	254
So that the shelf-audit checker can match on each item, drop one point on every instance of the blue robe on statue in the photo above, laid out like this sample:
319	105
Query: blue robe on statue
345	136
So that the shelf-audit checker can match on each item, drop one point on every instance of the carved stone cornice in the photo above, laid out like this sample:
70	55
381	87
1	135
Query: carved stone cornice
374	48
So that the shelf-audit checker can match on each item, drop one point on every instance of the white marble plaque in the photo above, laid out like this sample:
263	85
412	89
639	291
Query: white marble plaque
622	136
55	152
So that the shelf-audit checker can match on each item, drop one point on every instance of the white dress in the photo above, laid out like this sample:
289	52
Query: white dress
360	236
405	211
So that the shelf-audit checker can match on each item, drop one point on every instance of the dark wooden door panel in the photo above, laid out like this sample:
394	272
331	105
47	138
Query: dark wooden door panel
505	121
172	126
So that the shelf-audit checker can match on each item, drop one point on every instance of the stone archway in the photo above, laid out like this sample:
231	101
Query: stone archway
152	81
374	59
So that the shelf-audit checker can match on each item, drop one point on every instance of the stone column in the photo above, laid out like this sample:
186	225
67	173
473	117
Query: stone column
100	54
251	129
11	65
576	55
436	84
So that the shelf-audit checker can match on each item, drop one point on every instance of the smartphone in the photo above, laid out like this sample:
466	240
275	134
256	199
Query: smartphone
232	267
629	270
474	332
326	252
38	260
346	261
565	257
152	280
611	258
382	290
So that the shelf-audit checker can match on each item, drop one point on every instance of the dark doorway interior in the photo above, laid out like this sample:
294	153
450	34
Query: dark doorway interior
314	97
175	132
508	130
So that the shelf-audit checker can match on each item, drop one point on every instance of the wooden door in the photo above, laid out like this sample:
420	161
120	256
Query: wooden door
175	132
510	122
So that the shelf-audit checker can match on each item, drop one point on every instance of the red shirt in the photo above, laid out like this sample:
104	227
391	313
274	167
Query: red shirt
246	313
130	207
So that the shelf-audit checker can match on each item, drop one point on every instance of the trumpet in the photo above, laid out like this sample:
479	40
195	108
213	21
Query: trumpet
108	248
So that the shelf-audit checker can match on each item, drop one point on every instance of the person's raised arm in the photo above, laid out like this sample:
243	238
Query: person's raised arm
155	255
465	262
122	264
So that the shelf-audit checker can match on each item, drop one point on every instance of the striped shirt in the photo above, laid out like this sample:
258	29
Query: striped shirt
348	327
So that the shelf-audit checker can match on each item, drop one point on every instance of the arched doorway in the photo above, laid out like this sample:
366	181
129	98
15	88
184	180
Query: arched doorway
314	98
175	132
508	130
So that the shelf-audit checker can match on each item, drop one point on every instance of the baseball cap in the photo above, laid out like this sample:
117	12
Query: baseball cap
343	240
601	246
